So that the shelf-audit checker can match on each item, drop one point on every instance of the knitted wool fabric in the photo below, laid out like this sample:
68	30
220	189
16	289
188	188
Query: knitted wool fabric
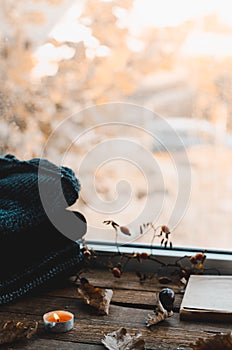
32	250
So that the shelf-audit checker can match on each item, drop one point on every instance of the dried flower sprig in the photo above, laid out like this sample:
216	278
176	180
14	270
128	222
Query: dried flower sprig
117	227
125	230
191	265
183	267
163	232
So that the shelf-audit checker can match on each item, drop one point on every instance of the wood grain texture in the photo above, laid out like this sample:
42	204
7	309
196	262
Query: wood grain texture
131	303
137	298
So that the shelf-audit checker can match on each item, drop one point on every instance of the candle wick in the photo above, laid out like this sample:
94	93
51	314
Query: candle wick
56	317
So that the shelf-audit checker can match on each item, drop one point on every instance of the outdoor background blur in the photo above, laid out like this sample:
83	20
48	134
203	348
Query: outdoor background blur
173	57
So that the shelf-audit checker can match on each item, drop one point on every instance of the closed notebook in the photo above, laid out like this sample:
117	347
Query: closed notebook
207	298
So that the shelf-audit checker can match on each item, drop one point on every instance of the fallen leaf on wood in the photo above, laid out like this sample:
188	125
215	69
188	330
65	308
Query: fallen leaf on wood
160	314
218	341
97	297
121	340
11	331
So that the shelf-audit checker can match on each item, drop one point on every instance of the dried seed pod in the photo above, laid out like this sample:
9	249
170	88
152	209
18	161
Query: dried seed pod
116	272
193	260
144	255
87	254
200	257
165	229
125	230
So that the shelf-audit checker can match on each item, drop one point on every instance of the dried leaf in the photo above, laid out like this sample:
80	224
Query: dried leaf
158	317
160	314
13	330
218	341
97	297
121	340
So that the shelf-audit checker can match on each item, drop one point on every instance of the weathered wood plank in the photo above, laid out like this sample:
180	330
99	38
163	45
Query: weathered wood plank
159	338
138	299
51	344
90	329
34	308
131	303
128	280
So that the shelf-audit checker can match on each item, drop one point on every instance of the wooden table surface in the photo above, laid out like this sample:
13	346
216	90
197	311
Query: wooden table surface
131	303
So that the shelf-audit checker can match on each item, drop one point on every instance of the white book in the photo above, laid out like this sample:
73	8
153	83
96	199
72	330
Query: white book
207	297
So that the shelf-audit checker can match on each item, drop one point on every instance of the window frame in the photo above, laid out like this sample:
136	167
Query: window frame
220	261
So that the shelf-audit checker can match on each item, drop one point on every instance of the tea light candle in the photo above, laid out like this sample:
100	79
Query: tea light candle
58	321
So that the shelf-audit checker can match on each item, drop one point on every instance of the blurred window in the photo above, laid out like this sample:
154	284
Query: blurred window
66	65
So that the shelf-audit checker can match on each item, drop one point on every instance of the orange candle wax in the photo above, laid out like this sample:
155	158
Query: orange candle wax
59	316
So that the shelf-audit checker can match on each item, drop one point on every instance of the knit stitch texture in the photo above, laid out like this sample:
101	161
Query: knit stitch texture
32	250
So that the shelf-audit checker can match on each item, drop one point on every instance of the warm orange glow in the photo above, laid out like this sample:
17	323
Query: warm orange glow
59	316
56	317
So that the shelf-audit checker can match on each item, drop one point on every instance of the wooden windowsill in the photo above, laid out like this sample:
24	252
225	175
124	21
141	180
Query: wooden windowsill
131	303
